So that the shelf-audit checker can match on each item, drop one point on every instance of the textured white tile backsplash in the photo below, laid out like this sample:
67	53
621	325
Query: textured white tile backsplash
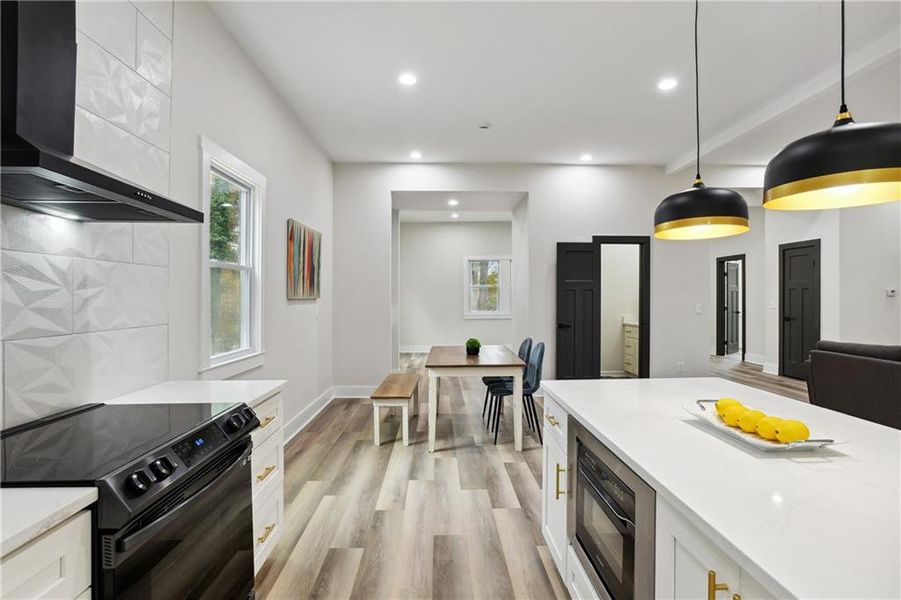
37	295
113	295
154	55
110	24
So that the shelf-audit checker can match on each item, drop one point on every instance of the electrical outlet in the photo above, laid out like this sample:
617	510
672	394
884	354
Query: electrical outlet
697	309
680	366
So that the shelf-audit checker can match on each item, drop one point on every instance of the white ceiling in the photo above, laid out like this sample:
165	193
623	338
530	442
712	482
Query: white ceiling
557	80
432	206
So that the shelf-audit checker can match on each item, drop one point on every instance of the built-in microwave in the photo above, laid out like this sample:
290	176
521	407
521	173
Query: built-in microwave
611	516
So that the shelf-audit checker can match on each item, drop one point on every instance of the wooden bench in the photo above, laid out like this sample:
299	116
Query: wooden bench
397	389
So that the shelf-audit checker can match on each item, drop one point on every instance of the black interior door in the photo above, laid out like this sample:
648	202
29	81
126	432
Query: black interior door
733	311
799	305
578	310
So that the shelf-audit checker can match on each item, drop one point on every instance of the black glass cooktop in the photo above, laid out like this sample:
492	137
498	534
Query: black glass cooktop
81	447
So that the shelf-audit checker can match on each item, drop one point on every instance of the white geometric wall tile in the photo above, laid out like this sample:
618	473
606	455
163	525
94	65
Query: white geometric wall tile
109	89
47	375
110	295
152	244
115	150
110	24
160	13
109	241
37	295
34	232
154	58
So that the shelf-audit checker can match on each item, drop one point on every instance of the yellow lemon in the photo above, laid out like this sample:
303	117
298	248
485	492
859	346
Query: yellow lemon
766	427
789	431
723	403
749	419
732	414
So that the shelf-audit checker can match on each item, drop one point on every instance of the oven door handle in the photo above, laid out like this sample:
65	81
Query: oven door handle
600	494
142	535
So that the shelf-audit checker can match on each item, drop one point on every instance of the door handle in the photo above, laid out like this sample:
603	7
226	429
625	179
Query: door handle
713	587
558	491
787	319
563	326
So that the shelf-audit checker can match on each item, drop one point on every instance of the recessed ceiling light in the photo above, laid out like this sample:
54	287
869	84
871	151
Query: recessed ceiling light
455	216
453	202
585	157
416	155
407	79
666	84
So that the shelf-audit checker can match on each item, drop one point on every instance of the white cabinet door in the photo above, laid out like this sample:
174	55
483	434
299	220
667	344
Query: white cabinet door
685	560
553	509
577	581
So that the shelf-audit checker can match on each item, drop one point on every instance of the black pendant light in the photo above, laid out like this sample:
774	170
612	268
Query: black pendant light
700	212
851	164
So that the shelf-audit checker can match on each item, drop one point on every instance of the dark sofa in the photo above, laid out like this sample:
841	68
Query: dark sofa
861	380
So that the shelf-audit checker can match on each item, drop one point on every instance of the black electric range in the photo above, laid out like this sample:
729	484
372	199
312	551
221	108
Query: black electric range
171	479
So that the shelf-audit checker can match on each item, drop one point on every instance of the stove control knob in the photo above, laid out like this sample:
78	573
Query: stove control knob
138	482
235	423
162	467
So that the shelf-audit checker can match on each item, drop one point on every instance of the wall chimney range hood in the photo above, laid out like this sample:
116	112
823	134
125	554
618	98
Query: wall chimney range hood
37	171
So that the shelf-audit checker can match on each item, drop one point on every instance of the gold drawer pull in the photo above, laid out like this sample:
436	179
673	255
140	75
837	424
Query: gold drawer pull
266	533
266	473
713	587
266	421
552	420
559	492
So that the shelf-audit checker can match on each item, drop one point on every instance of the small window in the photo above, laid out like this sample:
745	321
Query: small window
231	327
486	288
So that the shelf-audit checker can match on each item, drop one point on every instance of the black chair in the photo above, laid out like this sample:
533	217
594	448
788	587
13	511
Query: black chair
525	348
861	380
531	383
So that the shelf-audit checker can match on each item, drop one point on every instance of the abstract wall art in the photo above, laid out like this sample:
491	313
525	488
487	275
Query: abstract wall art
304	255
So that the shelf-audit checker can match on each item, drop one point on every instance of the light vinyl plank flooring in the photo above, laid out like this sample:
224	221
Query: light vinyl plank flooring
398	522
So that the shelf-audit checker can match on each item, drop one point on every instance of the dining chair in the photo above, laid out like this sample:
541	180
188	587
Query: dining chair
525	348
531	384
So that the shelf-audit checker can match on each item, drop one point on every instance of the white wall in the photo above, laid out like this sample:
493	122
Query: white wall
620	288
431	282
565	203
222	96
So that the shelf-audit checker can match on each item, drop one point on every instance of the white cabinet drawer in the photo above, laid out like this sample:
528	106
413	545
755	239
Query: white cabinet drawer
55	565
268	523
267	464
554	421
271	416
577	581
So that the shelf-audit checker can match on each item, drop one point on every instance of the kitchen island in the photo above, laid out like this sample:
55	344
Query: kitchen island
816	524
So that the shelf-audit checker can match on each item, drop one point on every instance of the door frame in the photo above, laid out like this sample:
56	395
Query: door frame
644	292
817	251
721	301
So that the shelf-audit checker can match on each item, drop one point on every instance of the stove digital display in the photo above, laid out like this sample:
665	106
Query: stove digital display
195	447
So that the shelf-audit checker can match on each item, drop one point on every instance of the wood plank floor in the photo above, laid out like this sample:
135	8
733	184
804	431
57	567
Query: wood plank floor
397	522
752	375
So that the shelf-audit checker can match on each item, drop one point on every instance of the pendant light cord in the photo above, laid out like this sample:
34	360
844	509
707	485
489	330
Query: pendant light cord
698	100
844	107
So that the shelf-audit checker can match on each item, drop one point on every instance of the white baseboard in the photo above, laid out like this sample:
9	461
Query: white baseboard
353	391
771	368
303	418
414	349
757	359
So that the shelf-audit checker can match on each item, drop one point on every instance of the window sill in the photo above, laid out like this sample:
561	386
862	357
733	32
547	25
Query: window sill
493	316
233	367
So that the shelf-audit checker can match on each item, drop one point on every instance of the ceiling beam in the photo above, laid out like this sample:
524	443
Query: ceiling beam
873	54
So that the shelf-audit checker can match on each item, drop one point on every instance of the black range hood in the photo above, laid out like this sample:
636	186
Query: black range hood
37	110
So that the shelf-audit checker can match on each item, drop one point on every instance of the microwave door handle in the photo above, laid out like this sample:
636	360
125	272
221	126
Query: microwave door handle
626	522
140	536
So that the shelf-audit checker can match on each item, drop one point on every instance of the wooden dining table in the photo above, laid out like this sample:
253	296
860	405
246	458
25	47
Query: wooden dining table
452	361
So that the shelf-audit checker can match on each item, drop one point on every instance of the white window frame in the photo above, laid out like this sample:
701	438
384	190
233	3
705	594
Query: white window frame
505	288
215	158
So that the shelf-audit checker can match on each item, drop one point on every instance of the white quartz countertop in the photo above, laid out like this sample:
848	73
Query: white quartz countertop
821	524
231	391
29	512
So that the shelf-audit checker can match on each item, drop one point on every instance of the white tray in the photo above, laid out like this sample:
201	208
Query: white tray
705	412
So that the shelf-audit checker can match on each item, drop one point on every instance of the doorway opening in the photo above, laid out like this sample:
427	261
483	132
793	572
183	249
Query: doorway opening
731	300
799	305
604	308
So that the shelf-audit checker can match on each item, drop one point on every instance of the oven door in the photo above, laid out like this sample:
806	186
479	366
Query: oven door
606	535
199	544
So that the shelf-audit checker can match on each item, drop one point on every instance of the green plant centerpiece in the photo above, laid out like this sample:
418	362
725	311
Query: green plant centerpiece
472	346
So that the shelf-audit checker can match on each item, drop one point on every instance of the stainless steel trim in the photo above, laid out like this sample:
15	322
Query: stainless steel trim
645	512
